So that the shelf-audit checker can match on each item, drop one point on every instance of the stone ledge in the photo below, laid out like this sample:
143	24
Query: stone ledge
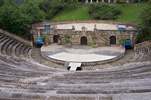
85	63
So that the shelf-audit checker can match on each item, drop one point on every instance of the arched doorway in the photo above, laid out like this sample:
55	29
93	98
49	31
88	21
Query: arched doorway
83	40
55	38
112	40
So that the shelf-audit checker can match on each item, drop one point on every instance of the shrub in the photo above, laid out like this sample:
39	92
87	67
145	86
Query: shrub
103	12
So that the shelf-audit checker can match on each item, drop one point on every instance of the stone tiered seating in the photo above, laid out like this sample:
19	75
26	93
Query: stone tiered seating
14	48
22	79
143	53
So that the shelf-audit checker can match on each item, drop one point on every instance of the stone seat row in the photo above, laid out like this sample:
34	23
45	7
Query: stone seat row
14	48
143	54
22	79
28	81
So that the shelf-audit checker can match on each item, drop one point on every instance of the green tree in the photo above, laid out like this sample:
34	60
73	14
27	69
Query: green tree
1	3
12	20
145	25
35	15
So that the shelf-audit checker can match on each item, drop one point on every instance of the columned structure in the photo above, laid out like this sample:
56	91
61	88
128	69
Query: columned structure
91	1
97	1
86	1
127	1
109	1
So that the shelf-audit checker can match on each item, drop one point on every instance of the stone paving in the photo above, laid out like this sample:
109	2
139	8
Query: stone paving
81	53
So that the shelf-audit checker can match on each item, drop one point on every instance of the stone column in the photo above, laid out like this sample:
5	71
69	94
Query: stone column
86	1
38	33
97	1
131	38
95	28
102	1
114	1
109	1
91	1
139	0
127	1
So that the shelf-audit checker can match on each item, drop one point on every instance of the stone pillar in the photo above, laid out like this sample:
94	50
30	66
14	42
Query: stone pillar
139	0
127	1
95	28
102	1
109	1
91	1
131	38
114	1
97	1
38	33
86	1
73	28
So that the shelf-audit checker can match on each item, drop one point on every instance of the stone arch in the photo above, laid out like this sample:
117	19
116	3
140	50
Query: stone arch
112	40
55	38
83	40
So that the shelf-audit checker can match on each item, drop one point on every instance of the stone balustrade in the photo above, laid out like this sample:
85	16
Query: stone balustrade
109	1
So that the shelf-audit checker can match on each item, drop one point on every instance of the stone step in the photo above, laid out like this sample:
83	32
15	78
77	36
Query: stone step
9	48
17	50
73	66
2	44
4	48
13	51
21	51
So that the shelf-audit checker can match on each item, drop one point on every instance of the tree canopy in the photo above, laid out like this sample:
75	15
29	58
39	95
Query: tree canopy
145	25
17	15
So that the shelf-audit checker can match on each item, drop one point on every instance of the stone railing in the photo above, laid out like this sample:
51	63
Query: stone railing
142	45
91	21
17	37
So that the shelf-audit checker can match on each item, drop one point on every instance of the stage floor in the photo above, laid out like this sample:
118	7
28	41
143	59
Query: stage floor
81	53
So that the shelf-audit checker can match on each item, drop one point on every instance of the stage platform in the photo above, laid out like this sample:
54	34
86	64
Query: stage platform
82	53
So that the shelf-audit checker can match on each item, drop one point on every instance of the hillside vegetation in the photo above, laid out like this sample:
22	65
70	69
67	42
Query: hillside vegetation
129	13
80	12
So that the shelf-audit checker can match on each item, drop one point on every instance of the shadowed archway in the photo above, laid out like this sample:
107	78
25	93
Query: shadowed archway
55	38
83	40
112	40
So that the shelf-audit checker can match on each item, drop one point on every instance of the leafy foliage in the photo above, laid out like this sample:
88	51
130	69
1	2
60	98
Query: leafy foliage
122	41
35	15
17	15
45	39
94	39
12	20
103	12
145	25
67	38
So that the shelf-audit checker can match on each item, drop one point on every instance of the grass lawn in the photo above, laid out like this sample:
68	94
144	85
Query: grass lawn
71	13
129	13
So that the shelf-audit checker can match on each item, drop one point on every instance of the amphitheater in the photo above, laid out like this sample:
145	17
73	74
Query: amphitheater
27	75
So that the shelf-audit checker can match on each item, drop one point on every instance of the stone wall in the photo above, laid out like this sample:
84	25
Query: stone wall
103	35
142	45
17	37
